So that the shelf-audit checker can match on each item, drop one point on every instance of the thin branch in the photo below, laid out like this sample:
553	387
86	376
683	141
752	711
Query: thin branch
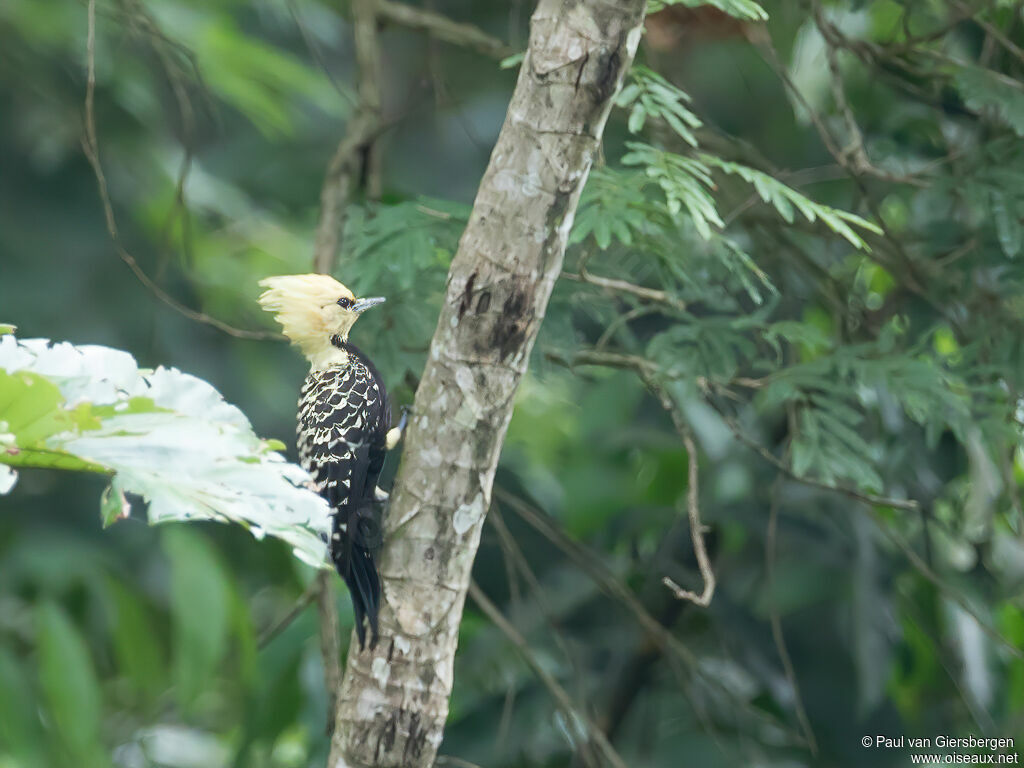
909	610
604	359
509	551
315	51
334	193
90	147
925	570
867	498
285	621
692	495
554	687
776	622
368	87
357	147
842	156
443	28
621	321
330	642
140	20
991	29
594	566
646	368
517	559
854	157
611	284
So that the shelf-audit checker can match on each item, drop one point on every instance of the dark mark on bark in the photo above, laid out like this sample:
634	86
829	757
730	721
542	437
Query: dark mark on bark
607	79
416	739
386	737
484	302
391	650
429	554
467	295
510	327
579	74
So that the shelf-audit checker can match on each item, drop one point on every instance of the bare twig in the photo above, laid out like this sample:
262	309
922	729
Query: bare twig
692	495
991	29
558	693
443	28
335	192
648	368
357	148
598	571
925	570
867	498
776	622
90	146
315	51
621	321
594	566
952	667
368	88
854	157
518	559
285	621
330	641
842	156
604	359
611	284
140	19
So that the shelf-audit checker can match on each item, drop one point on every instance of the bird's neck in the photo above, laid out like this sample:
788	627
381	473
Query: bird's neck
331	354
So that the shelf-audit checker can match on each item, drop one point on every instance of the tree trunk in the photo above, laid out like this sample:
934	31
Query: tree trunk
393	701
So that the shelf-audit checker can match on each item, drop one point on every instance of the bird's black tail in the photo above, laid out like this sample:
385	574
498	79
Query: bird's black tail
361	577
354	550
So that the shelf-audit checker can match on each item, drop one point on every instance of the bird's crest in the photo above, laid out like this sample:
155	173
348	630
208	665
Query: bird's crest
307	308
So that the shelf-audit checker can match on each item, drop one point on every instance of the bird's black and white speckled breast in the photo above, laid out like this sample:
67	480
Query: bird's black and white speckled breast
334	405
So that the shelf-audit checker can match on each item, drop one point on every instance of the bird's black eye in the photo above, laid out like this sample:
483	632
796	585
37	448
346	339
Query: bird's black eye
344	303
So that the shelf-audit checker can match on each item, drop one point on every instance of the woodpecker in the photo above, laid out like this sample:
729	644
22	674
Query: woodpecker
343	431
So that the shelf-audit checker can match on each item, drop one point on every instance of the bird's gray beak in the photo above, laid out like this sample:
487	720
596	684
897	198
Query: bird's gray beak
364	304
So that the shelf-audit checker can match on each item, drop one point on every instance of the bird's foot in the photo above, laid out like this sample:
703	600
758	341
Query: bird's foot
395	434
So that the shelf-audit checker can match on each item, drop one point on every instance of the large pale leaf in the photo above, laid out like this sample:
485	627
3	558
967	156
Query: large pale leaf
163	435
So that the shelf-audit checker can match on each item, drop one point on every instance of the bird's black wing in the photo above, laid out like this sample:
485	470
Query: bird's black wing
340	410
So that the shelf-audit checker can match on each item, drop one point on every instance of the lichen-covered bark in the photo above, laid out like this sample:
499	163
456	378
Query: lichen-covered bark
393	702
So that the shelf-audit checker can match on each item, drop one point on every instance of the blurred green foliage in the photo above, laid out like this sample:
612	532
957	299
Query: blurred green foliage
824	213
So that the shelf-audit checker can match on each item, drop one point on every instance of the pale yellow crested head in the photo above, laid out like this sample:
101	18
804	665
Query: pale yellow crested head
312	309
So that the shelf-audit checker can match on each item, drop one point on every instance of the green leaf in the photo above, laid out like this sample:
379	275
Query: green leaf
262	81
1007	218
986	91
6	328
70	688
113	504
31	409
684	181
648	94
21	734
784	199
200	595
137	648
